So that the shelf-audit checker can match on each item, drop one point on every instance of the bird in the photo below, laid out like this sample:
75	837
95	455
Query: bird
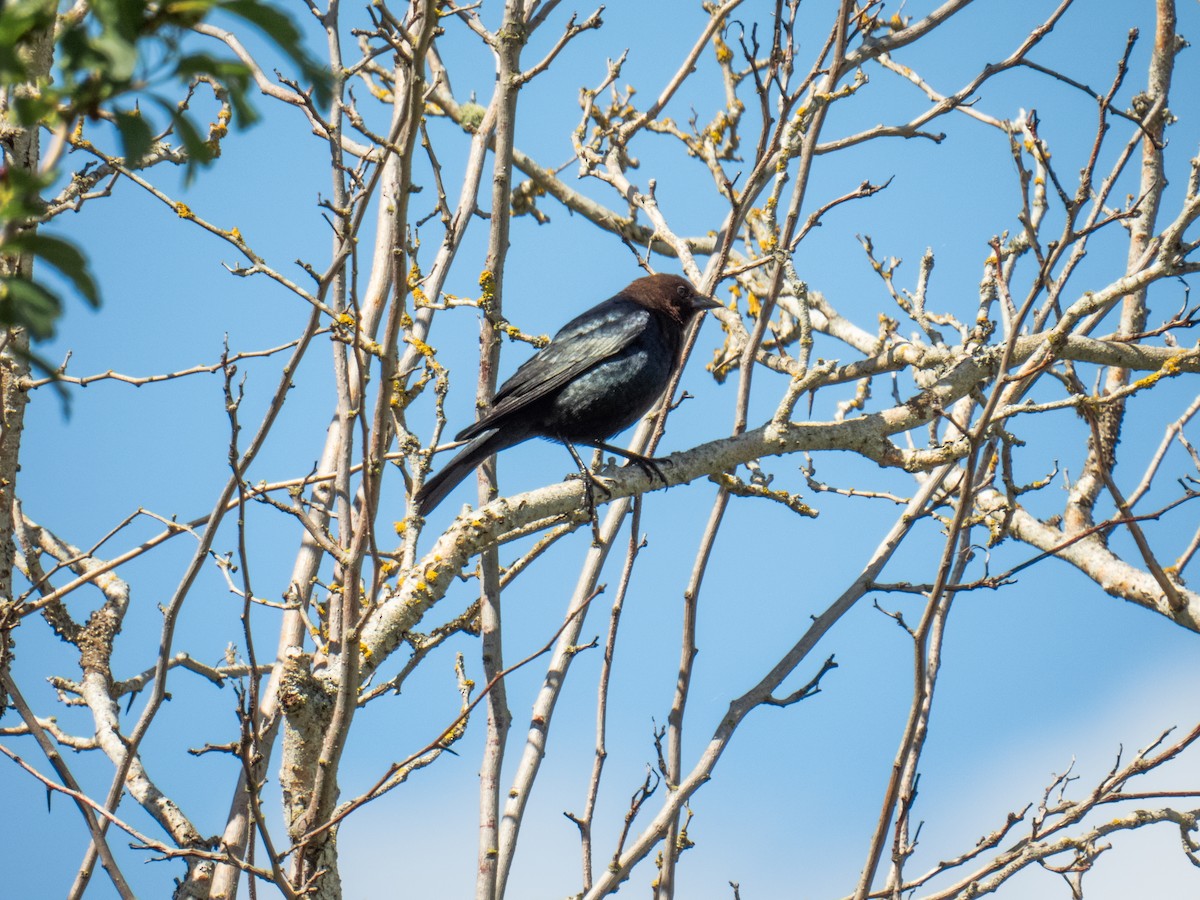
598	375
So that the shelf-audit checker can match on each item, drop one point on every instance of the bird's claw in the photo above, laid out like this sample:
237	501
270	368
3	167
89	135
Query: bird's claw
591	478
649	467
591	481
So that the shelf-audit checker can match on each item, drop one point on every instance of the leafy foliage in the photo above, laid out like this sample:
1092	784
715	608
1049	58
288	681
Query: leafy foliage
119	61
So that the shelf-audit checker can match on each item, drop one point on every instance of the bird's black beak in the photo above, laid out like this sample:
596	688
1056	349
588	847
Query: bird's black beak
700	303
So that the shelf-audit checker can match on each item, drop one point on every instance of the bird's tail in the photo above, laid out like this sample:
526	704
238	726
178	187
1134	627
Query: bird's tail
476	451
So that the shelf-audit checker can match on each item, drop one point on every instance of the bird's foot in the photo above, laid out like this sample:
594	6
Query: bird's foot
591	483
649	465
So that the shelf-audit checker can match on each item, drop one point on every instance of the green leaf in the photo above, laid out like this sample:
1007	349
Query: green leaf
20	199
18	18
136	137
188	12
31	111
199	153
119	53
124	19
64	256
244	112
28	305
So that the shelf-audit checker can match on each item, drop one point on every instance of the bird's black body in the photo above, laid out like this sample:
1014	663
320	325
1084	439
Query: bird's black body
597	376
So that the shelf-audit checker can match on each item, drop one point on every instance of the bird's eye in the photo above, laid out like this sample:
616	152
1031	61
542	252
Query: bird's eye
682	290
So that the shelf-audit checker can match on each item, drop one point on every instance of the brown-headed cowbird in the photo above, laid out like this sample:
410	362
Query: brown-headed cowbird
595	378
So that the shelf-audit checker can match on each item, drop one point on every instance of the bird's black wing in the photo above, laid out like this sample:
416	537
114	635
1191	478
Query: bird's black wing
586	340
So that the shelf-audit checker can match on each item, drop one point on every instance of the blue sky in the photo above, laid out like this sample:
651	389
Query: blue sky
1036	674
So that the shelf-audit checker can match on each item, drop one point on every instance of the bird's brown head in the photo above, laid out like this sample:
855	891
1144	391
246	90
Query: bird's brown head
670	294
